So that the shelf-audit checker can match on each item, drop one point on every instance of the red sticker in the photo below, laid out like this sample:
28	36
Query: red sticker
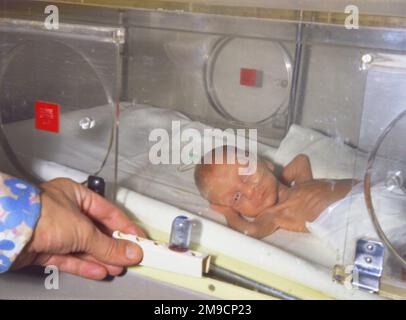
248	77
47	116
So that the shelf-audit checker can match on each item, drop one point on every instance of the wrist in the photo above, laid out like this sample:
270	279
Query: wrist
20	210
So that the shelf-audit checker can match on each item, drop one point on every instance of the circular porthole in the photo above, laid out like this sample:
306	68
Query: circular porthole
38	75
248	80
387	163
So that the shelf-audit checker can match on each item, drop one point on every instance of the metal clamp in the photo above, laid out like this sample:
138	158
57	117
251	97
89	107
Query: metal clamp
368	265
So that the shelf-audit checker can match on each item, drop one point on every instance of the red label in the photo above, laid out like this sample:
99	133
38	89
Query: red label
248	77
47	116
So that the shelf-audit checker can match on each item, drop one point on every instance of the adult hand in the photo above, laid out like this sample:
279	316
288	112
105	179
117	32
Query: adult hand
69	233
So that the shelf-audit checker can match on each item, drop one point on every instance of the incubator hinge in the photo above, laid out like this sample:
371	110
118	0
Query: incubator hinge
368	265
119	36
343	275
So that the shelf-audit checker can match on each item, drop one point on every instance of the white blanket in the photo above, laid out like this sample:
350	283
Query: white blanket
346	221
83	150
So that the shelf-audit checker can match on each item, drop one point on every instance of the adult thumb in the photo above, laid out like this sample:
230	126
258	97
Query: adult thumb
114	251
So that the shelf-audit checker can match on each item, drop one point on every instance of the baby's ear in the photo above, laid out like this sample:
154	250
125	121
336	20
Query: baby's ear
269	165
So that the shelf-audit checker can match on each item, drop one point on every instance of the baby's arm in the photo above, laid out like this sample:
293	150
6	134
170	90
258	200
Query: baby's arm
261	227
298	170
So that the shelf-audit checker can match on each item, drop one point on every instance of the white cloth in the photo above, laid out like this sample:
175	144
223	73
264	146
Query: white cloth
348	220
330	157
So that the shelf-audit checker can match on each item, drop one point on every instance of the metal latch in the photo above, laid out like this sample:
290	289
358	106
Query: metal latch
368	265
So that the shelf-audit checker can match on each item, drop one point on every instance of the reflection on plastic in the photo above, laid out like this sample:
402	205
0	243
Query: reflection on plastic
87	123
180	234
96	184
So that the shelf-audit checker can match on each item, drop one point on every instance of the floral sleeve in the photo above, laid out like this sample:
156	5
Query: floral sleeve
20	209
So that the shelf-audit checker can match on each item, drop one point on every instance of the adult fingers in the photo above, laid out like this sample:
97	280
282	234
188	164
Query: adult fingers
98	208
75	265
113	251
113	270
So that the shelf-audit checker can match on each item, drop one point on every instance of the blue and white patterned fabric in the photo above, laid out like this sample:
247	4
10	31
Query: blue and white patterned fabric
20	208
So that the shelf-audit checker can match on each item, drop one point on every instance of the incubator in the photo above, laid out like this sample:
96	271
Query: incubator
136	96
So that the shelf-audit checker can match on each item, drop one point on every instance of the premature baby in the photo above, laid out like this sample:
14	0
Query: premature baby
259	203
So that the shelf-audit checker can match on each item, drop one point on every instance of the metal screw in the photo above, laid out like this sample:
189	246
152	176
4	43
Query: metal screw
368	259
366	60
119	36
87	123
370	247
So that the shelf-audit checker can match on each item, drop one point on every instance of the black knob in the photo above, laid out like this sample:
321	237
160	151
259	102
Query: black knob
96	184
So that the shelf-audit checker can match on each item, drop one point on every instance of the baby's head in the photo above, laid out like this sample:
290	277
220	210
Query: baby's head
221	184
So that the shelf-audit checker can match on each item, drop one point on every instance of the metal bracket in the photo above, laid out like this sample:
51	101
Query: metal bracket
119	36
368	265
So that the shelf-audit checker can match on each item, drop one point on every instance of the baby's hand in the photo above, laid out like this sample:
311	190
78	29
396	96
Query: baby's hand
306	201
228	212
262	226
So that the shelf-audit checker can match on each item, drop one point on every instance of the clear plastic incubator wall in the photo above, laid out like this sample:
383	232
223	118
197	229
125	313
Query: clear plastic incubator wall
111	91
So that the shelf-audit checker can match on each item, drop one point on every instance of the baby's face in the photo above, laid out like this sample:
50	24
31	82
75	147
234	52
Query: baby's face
247	194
